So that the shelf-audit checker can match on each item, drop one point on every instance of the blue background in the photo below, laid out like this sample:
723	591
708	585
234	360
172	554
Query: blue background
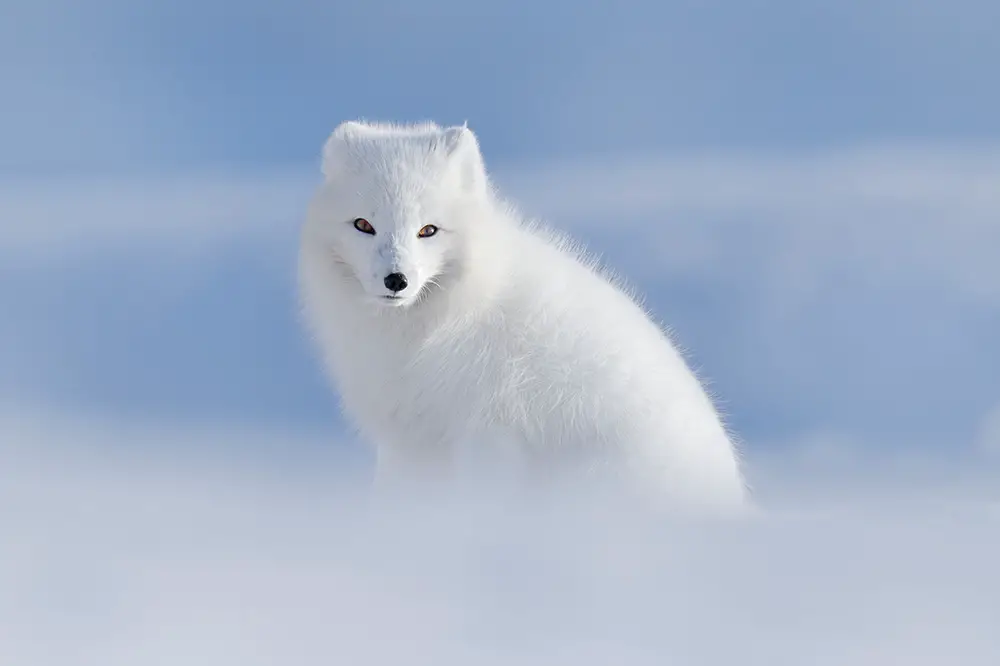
865	311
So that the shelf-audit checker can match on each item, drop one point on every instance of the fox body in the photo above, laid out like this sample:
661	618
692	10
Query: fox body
447	323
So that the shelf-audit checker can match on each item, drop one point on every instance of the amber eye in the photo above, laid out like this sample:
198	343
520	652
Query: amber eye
428	231
361	224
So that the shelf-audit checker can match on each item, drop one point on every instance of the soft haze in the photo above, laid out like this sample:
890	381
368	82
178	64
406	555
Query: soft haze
807	194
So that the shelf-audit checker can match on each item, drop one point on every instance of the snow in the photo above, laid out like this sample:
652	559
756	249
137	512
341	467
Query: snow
139	545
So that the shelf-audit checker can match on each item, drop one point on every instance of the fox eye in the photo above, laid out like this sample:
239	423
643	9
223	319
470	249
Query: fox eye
428	231
362	225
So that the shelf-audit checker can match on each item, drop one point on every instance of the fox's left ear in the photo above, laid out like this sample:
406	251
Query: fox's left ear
462	149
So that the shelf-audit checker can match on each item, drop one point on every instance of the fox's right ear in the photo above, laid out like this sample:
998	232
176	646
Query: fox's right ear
335	147
332	151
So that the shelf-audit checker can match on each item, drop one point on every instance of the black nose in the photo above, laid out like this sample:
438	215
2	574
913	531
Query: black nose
395	282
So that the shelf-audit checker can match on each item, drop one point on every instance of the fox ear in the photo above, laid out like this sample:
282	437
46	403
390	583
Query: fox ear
462	150
333	149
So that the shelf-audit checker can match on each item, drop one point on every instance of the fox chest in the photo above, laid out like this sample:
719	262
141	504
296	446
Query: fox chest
432	391
460	387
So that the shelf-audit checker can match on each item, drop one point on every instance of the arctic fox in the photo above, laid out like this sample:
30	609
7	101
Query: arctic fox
448	322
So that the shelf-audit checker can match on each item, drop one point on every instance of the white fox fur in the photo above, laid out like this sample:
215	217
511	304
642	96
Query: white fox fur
506	336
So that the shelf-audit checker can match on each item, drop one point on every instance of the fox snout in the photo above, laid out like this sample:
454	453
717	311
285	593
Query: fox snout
395	282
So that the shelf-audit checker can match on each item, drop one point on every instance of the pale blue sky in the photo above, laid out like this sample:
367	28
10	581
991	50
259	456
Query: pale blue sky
865	308
115	83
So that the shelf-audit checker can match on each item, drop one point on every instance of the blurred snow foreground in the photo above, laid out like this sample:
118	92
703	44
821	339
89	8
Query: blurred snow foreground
191	552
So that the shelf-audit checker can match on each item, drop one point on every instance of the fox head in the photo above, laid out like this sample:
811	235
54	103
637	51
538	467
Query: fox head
394	206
